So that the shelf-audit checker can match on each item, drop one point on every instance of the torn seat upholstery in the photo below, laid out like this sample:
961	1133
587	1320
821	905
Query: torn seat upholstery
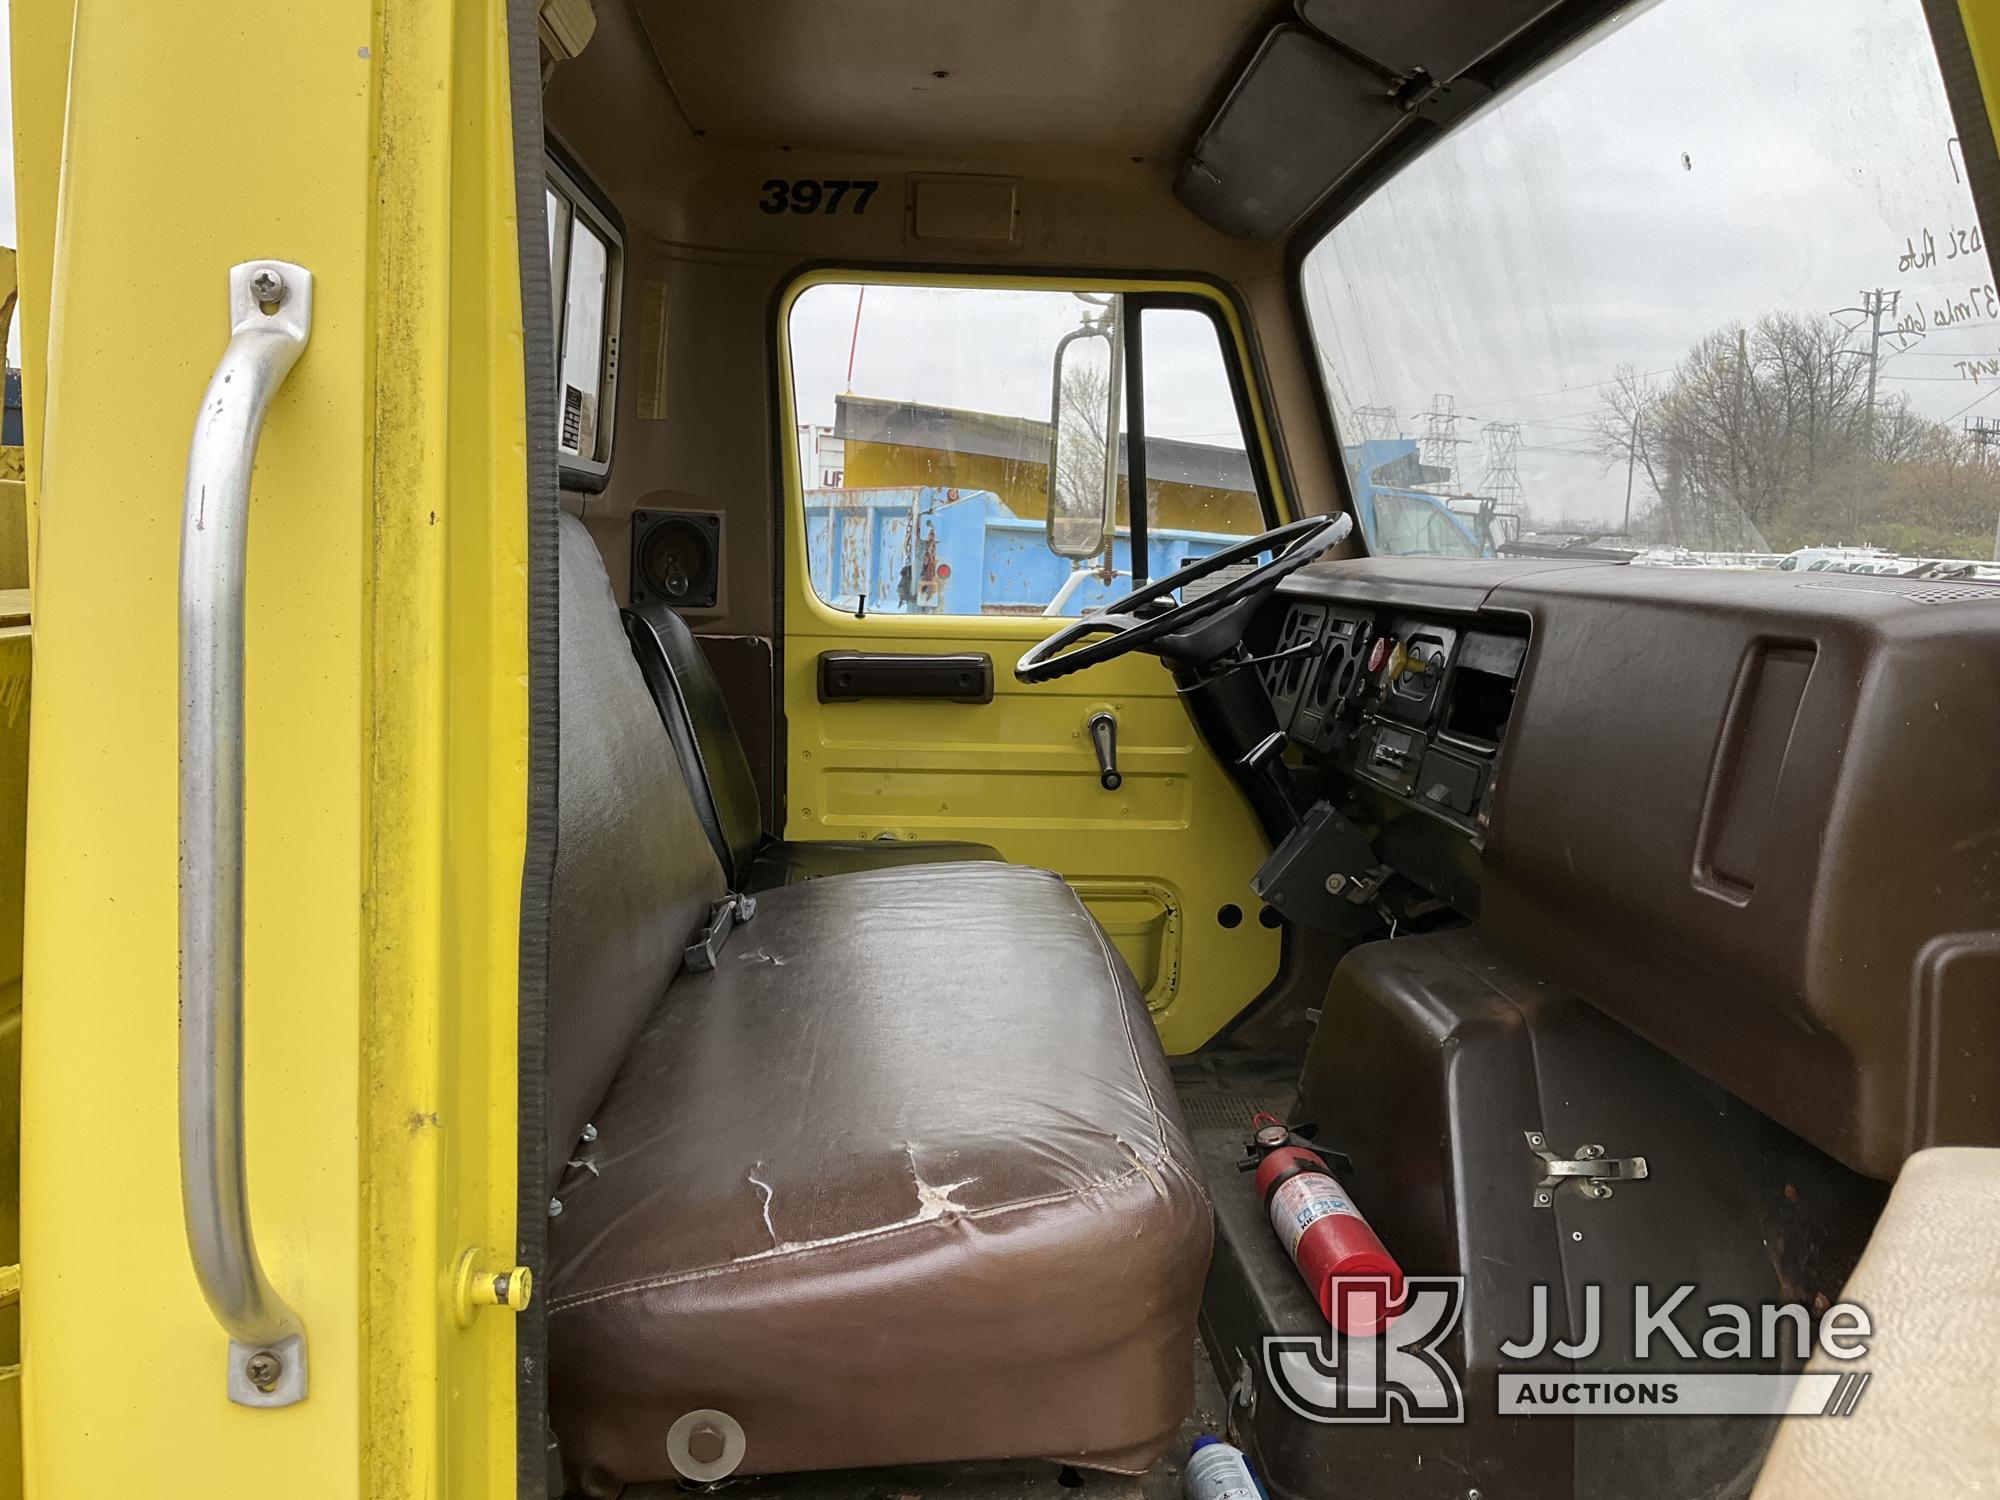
903	1179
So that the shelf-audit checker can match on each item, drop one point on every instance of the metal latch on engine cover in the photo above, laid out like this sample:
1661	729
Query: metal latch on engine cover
1590	1169
724	917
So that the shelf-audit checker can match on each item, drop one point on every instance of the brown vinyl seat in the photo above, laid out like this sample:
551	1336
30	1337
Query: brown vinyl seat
902	1179
718	774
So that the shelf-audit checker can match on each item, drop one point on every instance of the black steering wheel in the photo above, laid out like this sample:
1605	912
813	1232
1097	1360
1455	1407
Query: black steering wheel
1124	629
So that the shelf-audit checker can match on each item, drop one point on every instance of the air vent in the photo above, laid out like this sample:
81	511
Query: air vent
572	419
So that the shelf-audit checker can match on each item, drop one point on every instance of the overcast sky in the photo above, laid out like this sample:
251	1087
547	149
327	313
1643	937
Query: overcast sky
1709	161
991	351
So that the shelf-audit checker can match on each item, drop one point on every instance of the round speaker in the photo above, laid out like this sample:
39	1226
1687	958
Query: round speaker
676	557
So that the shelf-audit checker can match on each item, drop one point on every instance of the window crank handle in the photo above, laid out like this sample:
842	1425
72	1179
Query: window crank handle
1103	727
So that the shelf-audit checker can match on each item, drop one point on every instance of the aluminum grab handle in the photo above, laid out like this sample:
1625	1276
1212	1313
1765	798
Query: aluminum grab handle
270	317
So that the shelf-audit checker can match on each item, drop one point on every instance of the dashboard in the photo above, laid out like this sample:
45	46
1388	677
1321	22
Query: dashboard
1753	816
1410	704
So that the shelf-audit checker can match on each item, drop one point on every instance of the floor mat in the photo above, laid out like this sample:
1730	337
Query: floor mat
1222	1090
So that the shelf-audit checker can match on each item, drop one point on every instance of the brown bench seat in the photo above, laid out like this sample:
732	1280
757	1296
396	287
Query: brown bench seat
902	1179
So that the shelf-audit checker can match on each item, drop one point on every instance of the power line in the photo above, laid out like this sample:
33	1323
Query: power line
1975	401
1564	390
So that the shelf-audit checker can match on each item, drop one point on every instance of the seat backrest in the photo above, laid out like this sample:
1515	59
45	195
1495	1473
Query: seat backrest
635	875
697	717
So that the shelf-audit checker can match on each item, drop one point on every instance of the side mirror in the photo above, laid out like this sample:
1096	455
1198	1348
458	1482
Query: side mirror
1083	438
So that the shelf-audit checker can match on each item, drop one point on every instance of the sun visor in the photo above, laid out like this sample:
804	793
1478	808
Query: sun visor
1439	37
1301	116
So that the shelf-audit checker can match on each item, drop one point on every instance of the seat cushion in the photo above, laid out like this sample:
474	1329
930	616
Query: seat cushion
789	863
904	1179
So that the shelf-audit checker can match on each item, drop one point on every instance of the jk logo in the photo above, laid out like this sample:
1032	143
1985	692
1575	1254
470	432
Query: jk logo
1397	1373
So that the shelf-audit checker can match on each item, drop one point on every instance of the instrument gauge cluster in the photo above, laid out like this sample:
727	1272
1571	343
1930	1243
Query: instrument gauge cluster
1405	704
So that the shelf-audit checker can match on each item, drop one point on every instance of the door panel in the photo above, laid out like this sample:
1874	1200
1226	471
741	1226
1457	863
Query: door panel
1156	860
385	722
931	544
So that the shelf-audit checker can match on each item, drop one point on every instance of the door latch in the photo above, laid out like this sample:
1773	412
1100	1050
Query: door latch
475	1287
1590	1169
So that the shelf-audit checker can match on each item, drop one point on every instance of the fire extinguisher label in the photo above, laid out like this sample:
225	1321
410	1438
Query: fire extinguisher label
1301	1202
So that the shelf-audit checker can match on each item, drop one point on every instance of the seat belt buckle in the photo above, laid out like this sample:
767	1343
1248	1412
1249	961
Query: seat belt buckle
724	917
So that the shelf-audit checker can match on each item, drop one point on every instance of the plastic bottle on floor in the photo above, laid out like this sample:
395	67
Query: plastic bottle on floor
1217	1471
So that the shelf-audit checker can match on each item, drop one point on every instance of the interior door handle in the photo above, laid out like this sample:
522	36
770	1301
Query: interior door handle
270	318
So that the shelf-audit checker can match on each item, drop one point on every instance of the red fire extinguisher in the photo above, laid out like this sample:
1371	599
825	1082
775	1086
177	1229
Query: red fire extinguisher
1324	1232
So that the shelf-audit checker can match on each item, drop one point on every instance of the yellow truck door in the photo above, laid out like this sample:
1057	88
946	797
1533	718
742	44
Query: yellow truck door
916	492
341	174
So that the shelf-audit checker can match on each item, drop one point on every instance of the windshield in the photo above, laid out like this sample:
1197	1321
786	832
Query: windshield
1708	291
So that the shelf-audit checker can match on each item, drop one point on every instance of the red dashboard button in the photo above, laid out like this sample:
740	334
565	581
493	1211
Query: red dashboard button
1379	656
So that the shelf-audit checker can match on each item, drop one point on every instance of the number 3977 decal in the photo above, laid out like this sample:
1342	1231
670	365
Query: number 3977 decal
813	195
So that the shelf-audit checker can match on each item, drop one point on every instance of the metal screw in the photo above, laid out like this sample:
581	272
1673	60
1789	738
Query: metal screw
268	287
1472	1495
1576	1234
1335	884
555	1207
263	1369
590	1132
1537	1139
705	1443
1542	1198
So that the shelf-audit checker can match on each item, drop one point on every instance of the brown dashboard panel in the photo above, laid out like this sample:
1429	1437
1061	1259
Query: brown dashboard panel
1756	817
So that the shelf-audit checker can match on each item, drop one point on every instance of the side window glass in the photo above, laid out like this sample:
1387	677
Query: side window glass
583	350
923	423
1198	474
585	254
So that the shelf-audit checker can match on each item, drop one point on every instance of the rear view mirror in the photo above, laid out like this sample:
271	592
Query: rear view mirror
1083	437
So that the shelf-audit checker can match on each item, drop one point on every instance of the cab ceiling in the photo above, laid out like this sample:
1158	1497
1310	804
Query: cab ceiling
942	77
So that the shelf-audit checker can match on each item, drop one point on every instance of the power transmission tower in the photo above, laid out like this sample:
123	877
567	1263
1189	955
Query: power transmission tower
1439	446
1502	479
1373	424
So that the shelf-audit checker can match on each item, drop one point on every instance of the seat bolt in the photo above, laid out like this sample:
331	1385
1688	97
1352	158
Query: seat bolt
555	1207
1335	884
262	1370
590	1132
268	287
705	1443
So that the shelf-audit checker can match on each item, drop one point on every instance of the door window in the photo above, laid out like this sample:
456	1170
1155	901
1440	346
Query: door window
1709	289
585	253
923	417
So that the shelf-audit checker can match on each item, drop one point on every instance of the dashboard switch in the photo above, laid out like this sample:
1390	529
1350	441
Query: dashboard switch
1378	657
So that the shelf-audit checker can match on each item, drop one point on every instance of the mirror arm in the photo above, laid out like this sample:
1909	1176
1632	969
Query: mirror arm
1114	398
1135	447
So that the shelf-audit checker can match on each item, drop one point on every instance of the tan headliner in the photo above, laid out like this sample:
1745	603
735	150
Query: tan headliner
1131	77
